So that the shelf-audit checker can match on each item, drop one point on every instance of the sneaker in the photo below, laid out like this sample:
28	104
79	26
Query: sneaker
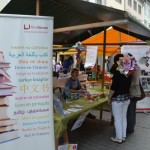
123	139
114	139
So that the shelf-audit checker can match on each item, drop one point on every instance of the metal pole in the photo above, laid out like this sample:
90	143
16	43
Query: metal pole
56	57
104	54
37	7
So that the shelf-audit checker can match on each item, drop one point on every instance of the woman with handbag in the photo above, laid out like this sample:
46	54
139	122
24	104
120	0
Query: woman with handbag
136	93
119	99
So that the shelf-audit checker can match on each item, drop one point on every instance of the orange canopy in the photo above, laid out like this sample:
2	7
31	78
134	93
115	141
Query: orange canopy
113	37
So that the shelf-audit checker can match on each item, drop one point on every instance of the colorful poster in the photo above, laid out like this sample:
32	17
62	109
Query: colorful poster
68	147
91	56
142	55
26	103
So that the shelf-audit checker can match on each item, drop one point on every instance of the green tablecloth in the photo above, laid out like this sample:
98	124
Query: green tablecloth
60	122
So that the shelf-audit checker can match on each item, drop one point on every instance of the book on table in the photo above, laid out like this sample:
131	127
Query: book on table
4	100
6	89
7	122
2	57
8	136
4	65
4	76
8	128
4	112
5	92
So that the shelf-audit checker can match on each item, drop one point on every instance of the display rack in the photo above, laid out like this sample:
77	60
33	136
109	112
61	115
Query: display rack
144	105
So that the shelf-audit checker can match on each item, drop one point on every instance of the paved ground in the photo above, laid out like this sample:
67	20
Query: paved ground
95	135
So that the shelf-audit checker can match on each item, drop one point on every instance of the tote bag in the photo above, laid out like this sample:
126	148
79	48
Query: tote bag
142	94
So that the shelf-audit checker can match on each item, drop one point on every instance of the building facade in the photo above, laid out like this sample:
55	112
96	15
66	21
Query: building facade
3	3
138	9
146	14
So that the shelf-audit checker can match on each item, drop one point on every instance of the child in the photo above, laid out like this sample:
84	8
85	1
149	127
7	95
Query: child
94	72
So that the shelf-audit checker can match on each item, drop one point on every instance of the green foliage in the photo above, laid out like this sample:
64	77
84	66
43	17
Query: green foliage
148	42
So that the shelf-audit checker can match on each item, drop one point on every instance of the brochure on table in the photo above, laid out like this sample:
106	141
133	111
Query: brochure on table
68	147
80	120
142	55
26	103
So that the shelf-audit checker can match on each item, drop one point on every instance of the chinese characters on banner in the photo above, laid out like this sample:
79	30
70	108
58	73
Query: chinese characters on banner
25	83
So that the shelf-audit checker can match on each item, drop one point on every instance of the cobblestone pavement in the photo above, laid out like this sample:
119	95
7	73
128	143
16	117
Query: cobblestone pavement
95	135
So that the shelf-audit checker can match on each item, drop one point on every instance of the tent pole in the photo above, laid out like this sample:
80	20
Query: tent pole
56	57
104	54
37	7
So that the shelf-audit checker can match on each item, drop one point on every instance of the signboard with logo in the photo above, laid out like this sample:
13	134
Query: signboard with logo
142	55
26	103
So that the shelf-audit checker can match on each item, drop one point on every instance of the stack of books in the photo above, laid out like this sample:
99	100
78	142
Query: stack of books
8	126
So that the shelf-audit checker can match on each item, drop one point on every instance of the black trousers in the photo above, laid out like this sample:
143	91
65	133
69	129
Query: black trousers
131	115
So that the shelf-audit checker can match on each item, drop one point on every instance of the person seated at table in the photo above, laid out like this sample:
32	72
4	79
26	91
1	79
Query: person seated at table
73	82
74	85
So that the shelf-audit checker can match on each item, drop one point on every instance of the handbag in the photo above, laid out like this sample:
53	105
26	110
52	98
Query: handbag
142	94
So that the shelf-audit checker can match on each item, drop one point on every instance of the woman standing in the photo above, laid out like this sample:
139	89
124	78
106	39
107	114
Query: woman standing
119	99
135	93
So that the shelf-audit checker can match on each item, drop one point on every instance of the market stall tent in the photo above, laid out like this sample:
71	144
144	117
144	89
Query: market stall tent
114	40
69	52
76	20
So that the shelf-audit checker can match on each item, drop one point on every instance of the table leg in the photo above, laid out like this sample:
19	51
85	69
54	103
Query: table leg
56	143
65	136
101	112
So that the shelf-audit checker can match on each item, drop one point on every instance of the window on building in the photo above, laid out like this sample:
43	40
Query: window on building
130	3
135	5
139	9
99	1
145	22
135	17
145	10
139	20
149	13
149	25
119	1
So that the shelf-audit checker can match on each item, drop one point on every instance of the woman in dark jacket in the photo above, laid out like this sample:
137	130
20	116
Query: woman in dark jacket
119	99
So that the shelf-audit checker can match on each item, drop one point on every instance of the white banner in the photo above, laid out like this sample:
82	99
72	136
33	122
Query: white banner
80	120
26	103
91	56
142	55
